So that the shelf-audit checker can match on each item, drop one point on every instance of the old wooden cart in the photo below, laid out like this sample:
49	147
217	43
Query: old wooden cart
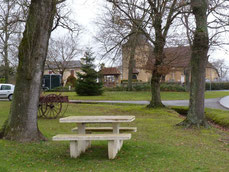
51	106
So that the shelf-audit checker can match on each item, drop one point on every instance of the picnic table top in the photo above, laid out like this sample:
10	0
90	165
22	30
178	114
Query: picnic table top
97	119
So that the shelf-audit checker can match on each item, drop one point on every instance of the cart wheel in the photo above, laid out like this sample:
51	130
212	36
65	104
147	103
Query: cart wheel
42	109
53	106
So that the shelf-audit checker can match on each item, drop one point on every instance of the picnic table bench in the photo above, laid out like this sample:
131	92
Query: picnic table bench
81	142
106	129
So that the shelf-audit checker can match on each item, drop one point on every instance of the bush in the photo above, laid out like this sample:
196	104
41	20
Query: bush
141	87
60	89
71	81
217	86
2	80
172	87
146	87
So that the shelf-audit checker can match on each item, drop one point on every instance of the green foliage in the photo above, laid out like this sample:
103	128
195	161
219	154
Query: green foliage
60	89
141	86
86	84
71	81
167	86
217	86
172	87
2	80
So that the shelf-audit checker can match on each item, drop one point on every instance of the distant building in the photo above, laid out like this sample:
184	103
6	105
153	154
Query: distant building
65	68
110	76
177	61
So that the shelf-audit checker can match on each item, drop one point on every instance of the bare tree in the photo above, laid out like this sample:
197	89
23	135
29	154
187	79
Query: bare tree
160	16
118	31
9	23
12	19
222	68
61	52
22	123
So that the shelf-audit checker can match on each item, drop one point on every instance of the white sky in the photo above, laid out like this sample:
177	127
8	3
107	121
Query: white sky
85	13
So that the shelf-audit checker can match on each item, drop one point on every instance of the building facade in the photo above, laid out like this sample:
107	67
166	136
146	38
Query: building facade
66	69
176	63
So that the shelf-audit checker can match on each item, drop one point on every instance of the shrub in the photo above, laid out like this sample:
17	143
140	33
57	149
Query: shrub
60	89
71	81
141	86
2	80
217	86
172	87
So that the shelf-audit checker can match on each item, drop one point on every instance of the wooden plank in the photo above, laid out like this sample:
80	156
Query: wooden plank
107	129
97	119
73	137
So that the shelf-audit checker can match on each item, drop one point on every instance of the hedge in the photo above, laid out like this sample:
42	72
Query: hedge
146	87
217	86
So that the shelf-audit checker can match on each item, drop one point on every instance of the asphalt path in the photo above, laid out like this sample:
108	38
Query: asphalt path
217	103
210	103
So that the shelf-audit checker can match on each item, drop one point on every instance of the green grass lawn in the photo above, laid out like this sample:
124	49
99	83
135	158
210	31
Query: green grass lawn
134	96
158	145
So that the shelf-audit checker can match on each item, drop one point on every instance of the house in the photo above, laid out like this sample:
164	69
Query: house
110	76
65	68
176	64
143	52
178	61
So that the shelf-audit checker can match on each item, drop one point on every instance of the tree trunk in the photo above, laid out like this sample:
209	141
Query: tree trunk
196	116
22	123
156	72
187	79
155	91
156	77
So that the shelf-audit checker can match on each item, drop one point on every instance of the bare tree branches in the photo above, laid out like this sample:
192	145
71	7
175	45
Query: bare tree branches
61	52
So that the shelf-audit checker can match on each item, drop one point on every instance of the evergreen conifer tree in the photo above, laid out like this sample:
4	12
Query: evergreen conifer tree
86	84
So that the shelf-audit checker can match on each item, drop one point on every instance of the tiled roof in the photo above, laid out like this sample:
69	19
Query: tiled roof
66	64
178	57
110	71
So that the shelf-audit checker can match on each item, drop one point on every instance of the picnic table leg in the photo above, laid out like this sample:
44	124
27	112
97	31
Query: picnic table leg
116	131
74	149
112	149
82	144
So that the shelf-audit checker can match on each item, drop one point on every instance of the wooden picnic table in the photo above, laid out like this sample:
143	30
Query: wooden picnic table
84	140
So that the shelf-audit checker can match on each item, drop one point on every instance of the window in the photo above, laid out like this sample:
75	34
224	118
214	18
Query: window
6	87
109	78
134	76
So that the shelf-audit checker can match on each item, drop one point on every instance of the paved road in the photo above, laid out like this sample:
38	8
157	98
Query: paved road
217	103
210	103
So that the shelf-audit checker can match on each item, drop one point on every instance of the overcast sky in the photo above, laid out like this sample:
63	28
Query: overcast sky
86	12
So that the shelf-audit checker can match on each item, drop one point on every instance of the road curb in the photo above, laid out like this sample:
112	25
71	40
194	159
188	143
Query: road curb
224	102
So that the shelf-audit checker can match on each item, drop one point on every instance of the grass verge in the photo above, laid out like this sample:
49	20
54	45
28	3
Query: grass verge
141	95
157	145
219	117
